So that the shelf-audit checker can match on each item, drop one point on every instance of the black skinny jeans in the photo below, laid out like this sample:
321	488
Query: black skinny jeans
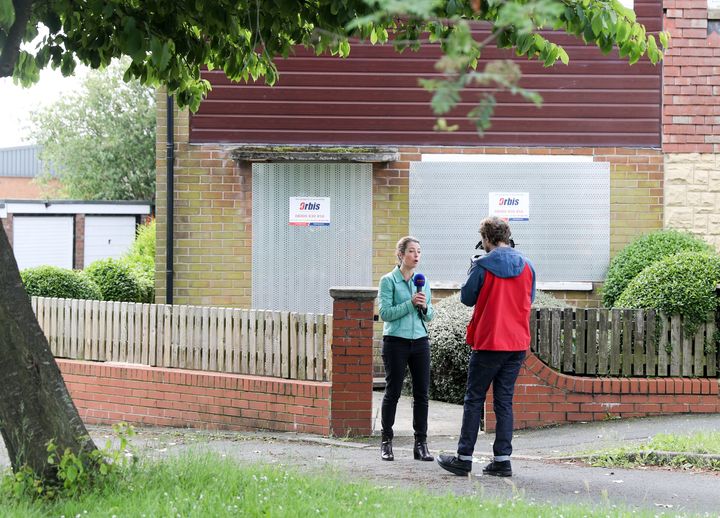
398	354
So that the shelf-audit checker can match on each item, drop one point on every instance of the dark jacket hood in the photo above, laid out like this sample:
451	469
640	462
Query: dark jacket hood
503	262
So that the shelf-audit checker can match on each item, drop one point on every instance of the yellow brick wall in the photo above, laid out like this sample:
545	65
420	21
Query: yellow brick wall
213	249
212	231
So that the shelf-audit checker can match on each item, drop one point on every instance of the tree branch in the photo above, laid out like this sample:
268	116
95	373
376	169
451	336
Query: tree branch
11	49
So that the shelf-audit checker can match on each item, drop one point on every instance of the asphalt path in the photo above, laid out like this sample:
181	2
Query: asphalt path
543	465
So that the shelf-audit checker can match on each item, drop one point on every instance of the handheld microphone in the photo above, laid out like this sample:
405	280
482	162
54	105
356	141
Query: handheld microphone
419	280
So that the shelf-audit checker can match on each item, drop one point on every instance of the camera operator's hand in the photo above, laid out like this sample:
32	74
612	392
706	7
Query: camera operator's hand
418	299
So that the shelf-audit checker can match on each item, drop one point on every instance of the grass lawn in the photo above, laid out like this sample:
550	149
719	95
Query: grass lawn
698	450
207	485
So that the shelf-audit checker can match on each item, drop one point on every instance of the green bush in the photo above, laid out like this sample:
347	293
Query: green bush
51	281
116	280
641	253
142	251
146	283
141	260
545	300
449	353
681	284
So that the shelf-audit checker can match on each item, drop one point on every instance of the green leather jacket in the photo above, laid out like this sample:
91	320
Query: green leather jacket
400	317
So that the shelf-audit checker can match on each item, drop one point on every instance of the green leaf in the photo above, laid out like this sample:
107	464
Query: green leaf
71	473
564	58
597	24
482	112
67	67
133	39
663	39
605	44
160	53
442	125
373	37
623	32
344	48
551	56
523	44
7	14
653	52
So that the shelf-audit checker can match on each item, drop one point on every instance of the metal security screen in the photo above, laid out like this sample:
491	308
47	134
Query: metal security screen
295	266
567	236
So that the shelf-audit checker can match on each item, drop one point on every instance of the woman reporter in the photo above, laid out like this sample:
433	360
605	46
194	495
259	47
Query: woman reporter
404	310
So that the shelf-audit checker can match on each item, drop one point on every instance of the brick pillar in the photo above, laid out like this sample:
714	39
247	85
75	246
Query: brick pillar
352	361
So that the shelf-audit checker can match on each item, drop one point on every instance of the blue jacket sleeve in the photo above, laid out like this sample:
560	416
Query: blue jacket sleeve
470	290
387	311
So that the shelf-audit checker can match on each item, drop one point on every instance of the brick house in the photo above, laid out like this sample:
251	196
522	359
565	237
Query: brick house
19	167
358	134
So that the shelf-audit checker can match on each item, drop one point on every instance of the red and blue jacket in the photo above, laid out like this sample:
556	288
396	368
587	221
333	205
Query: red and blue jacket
501	286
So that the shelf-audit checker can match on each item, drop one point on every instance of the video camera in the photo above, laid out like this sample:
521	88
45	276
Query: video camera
479	245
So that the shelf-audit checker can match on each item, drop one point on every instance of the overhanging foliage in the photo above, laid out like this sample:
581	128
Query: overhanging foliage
170	41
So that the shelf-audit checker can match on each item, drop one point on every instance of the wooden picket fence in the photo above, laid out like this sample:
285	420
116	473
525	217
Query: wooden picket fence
602	342
260	342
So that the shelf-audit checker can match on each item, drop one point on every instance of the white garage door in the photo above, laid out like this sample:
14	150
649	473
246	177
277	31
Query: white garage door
40	240
108	236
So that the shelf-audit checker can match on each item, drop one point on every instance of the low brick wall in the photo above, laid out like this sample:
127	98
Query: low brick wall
544	397
151	396
107	393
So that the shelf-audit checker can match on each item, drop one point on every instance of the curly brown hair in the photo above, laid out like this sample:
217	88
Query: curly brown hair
495	230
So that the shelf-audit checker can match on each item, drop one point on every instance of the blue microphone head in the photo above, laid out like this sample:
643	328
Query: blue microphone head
419	280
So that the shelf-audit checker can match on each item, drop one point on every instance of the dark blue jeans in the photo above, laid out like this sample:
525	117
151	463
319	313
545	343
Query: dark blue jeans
398	354
501	368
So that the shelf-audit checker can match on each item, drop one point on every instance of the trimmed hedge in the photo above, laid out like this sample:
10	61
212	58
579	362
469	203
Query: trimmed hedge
51	281
641	253
681	284
116	280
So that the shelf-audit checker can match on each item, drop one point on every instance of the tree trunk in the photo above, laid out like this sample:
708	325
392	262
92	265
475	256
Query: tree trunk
35	406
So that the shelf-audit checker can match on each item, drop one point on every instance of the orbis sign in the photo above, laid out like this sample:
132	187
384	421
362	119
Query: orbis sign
309	212
512	206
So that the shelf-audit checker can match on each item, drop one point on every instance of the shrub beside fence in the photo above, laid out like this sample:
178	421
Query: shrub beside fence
622	342
257	342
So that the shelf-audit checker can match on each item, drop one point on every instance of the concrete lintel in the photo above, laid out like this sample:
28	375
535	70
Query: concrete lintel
314	153
353	292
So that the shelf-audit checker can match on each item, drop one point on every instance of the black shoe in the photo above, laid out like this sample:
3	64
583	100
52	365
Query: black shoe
386	452
421	452
455	465
498	469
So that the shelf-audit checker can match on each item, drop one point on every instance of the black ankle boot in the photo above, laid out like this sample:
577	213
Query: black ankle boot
421	452
386	452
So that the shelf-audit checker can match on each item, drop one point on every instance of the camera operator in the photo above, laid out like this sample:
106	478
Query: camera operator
501	286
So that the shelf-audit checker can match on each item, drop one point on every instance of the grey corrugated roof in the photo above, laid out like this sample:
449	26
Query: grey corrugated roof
20	161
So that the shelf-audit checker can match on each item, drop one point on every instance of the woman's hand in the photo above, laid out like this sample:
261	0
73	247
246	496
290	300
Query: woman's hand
418	299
